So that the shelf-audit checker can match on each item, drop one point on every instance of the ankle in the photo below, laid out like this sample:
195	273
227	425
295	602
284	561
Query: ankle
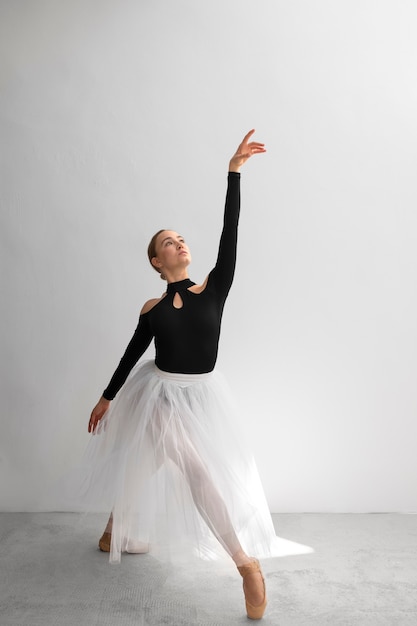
241	558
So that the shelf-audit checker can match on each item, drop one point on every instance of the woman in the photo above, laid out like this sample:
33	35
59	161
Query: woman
168	461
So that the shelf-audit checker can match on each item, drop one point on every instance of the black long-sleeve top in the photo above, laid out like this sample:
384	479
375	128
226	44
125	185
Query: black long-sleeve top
186	339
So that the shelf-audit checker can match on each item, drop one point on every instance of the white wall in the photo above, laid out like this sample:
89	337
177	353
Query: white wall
118	118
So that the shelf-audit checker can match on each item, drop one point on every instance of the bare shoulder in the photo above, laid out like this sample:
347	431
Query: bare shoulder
150	304
198	288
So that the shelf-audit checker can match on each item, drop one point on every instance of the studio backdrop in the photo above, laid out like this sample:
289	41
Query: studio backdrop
118	118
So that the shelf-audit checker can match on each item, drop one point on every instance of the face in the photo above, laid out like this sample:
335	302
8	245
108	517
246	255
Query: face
171	251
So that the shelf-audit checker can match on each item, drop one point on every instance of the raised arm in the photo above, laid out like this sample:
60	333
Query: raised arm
223	272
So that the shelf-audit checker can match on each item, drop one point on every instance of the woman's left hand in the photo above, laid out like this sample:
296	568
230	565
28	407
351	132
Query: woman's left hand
245	150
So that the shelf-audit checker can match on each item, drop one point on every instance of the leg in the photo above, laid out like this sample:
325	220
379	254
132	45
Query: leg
207	499
213	510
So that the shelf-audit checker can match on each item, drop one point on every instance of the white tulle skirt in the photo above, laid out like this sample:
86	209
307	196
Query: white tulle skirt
168	460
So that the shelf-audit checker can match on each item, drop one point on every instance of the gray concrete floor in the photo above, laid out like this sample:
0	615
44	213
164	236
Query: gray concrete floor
363	572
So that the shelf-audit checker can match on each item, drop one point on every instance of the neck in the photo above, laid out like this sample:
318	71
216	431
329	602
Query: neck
174	277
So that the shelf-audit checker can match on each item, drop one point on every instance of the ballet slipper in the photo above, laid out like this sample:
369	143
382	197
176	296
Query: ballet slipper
253	612
128	545
104	542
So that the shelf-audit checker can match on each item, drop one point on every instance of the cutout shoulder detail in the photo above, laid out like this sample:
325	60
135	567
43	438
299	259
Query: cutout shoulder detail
198	288
150	304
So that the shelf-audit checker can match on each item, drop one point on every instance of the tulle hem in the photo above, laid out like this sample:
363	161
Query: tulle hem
170	462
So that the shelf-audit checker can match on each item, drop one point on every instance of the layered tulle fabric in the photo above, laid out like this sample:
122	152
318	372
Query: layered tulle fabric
168	460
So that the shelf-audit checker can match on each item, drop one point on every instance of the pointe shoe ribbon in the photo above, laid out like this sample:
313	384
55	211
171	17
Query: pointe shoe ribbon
253	612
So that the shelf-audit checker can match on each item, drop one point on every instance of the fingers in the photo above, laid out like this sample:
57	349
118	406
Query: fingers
252	143
247	149
250	150
258	147
93	425
94	420
248	136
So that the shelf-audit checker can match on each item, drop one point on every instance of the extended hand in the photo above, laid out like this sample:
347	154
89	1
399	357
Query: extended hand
245	150
98	413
